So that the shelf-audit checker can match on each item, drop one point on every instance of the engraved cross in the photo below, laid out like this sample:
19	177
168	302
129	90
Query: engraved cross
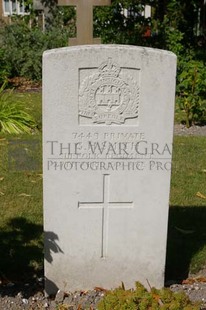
105	205
84	20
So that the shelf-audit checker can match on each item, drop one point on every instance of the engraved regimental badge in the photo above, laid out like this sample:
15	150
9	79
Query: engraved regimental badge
109	96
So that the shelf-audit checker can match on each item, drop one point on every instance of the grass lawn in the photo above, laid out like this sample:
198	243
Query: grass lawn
21	223
186	248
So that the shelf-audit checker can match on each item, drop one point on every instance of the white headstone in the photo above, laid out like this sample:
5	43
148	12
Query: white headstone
108	130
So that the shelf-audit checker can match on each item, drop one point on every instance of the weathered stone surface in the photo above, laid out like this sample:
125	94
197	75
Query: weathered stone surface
108	129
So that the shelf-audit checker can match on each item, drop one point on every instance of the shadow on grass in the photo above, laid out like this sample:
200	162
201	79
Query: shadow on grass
186	236
21	257
21	248
21	245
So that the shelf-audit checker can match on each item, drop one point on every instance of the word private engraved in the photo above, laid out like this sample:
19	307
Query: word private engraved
109	97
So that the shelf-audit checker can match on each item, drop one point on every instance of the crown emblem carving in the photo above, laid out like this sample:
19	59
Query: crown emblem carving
107	97
109	68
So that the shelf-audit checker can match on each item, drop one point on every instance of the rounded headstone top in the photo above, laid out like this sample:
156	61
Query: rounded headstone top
96	47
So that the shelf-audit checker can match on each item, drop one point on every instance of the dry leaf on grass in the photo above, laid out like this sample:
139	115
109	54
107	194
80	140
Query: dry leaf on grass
24	195
200	195
188	281
100	289
194	280
201	279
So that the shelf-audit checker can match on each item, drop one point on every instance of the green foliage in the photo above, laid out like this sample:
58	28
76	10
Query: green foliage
191	90
173	39
173	18
13	118
4	70
173	32
114	25
172	27
23	46
141	299
59	16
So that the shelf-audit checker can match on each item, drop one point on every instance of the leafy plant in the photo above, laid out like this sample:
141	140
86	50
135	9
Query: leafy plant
191	91
141	299
23	46
4	69
126	18
13	118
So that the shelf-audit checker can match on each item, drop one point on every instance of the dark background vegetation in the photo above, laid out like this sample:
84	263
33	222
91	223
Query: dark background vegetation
176	25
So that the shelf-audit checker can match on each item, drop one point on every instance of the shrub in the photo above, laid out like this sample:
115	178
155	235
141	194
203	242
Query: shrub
4	68
141	299
129	29
23	47
191	90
